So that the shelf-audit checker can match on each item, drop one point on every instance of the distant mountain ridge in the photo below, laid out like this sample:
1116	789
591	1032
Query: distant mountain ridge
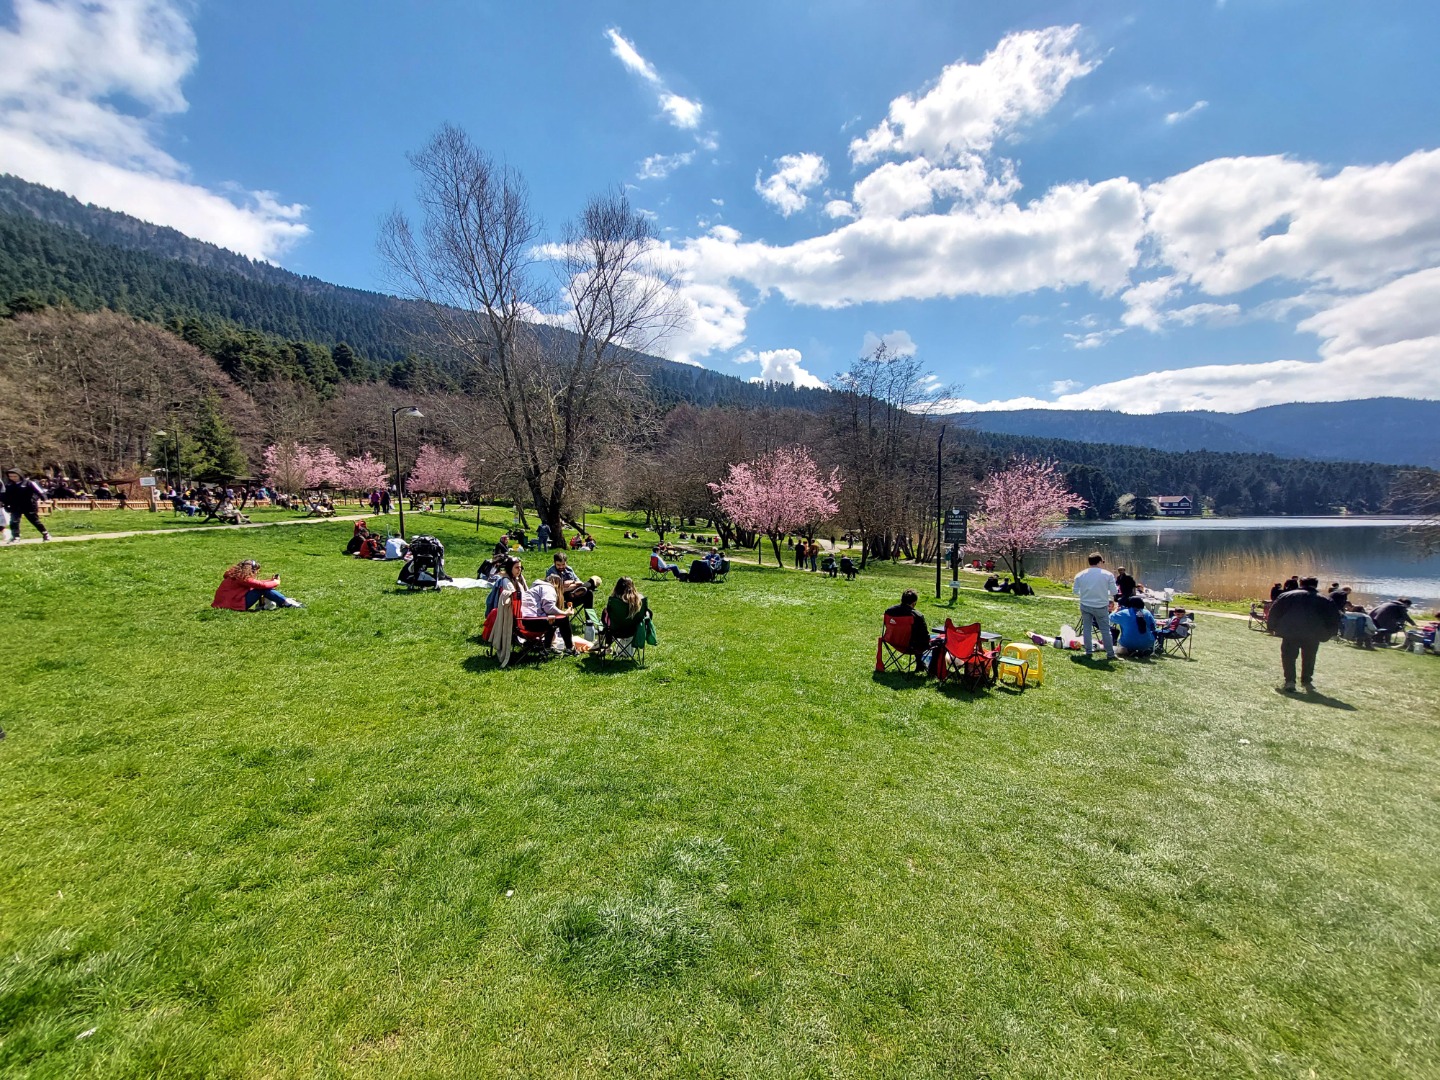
1392	431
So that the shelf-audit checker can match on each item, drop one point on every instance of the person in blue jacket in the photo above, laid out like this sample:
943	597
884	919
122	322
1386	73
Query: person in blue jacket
1137	628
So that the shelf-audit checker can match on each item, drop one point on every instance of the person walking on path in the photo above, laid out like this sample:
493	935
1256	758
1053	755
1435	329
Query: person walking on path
1095	586
22	499
1302	618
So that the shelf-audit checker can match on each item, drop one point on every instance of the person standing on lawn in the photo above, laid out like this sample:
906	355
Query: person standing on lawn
22	499
1302	618
1095	586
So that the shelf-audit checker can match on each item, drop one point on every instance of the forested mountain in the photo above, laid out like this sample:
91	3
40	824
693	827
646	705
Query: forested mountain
1397	431
1230	483
55	249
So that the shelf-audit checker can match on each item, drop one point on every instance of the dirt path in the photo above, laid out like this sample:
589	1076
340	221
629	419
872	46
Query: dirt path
174	532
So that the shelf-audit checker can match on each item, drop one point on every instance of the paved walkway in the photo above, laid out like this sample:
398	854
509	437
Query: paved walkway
173	532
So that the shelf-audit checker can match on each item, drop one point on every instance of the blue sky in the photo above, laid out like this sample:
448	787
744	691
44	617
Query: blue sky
1139	206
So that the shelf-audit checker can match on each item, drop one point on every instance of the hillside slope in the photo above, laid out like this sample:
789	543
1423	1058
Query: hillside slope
1393	431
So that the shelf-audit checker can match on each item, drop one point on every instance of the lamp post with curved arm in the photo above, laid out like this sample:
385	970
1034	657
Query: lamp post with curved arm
408	410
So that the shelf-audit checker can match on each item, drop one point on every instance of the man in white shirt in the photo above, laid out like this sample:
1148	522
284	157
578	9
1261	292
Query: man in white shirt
540	612
1095	587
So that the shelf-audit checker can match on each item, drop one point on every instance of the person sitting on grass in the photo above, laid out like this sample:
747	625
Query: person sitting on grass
358	537
1136	626
242	590
625	611
848	567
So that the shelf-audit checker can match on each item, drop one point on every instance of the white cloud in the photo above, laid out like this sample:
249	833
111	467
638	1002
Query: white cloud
66	67
1185	114
1385	342
1093	339
659	166
681	111
972	105
715	321
897	343
1077	234
1064	386
1232	223
839	209
794	175
781	366
899	188
1404	310
630	56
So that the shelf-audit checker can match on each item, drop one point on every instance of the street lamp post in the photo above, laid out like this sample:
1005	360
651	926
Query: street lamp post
408	410
939	512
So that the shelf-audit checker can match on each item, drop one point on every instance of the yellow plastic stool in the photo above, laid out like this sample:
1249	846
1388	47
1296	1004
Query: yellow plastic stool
1030	655
1016	668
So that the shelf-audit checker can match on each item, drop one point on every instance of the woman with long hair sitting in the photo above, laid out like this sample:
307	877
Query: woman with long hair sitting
241	589
626	609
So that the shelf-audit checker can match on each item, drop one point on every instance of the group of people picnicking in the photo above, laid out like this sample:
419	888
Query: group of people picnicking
1301	616
547	607
1113	610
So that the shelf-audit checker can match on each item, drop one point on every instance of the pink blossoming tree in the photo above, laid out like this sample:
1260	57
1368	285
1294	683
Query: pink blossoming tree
288	465
780	492
324	468
292	466
1019	508
362	474
439	473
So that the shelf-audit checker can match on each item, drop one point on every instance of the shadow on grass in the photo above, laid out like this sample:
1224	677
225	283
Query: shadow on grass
900	680
597	665
1316	698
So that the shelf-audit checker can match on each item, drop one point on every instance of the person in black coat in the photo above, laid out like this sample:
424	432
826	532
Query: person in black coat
1391	616
22	499
1302	618
919	632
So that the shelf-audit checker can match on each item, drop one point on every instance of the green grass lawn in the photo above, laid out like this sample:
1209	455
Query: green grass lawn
80	522
339	842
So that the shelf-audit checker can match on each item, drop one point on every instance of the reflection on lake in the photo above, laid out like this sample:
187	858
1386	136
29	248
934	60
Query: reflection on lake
1368	553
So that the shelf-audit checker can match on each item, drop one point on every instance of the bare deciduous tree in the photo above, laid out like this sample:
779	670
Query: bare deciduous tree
478	264
885	443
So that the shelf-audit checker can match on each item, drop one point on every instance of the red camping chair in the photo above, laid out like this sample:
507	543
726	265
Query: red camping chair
526	640
975	667
893	648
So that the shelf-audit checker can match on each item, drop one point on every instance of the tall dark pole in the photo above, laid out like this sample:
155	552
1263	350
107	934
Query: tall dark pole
939	513
408	410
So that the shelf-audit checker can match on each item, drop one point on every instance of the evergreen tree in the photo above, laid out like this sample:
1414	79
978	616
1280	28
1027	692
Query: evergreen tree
219	452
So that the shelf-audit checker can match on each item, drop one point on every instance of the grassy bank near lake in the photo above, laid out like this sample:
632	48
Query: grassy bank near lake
339	841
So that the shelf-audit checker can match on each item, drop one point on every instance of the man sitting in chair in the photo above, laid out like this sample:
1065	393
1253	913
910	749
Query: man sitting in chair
919	632
660	566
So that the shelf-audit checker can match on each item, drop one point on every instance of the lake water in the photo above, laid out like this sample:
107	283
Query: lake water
1369	554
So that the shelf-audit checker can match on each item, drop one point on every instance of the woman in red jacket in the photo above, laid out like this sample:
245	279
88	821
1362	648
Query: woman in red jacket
241	590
